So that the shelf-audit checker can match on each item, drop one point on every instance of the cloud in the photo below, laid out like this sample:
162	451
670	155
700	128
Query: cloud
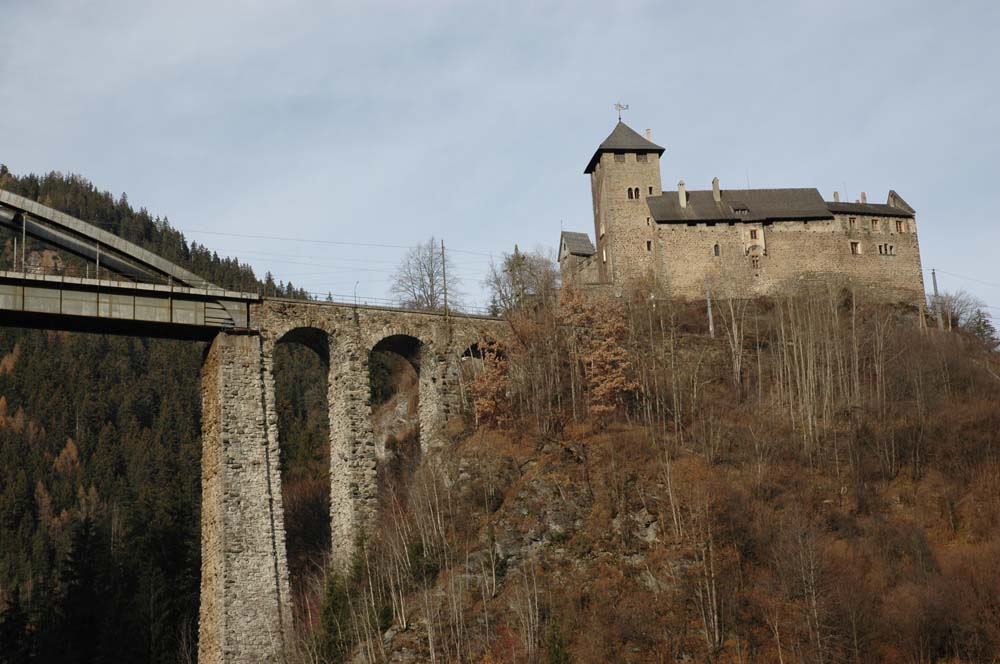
472	121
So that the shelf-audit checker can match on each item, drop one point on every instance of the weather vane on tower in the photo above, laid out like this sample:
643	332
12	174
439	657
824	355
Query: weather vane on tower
620	107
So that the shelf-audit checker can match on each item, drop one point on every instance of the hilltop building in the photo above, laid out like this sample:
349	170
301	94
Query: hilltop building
762	241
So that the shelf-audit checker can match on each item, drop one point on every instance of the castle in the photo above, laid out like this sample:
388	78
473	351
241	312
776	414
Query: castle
748	241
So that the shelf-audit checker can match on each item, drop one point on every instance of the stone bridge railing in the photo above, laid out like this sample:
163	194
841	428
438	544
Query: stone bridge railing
245	603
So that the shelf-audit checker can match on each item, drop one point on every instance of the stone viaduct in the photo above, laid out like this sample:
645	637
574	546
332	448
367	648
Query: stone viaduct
245	612
245	605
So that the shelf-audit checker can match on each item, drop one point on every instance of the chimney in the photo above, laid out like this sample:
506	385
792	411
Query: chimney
716	194
864	197
682	194
649	135
836	197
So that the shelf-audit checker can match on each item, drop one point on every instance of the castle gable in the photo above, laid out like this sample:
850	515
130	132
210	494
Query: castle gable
739	205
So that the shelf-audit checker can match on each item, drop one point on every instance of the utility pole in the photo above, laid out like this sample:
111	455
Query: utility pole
444	278
937	301
708	303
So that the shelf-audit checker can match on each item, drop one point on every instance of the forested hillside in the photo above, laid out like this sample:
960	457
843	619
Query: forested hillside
100	464
815	484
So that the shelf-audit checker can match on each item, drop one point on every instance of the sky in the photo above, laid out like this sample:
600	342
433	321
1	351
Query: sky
274	130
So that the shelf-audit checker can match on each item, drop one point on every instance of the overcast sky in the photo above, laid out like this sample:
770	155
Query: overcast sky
387	123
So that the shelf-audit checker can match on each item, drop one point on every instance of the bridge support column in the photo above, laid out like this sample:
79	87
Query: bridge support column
245	613
353	488
439	399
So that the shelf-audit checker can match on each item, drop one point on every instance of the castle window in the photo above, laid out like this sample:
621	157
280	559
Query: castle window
620	157
874	224
630	193
899	226
649	245
852	222
753	234
715	249
641	157
650	191
755	262
892	250
856	248
881	249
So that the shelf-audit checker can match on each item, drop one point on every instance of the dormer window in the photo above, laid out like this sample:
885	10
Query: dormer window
742	211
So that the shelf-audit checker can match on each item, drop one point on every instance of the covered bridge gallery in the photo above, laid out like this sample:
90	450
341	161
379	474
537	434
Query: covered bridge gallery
769	240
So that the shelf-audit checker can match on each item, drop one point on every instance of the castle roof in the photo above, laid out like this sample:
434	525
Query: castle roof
623	139
874	209
578	244
739	205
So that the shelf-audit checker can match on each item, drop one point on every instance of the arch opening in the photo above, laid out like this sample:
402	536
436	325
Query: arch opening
300	370
394	378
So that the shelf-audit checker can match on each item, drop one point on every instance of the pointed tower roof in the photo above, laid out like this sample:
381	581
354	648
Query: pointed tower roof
623	139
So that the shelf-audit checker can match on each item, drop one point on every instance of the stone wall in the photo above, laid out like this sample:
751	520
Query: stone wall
788	253
245	611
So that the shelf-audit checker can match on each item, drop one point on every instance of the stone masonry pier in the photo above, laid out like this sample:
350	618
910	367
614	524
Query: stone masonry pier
245	602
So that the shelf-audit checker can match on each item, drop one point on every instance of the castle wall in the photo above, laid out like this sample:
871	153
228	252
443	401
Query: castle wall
789	253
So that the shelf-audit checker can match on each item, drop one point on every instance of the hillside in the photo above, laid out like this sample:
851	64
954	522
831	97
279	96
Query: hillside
817	484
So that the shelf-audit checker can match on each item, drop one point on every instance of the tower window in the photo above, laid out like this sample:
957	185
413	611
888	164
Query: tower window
620	157
874	224
650	191
856	248
630	193
716	250
755	262
649	245
753	234
641	157
852	222
899	226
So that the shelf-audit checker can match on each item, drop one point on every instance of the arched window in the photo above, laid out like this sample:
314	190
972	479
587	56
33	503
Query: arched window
715	249
630	193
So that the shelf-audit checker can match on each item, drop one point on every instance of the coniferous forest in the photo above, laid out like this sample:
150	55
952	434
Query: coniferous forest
100	472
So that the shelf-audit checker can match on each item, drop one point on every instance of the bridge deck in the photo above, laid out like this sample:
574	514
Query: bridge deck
120	307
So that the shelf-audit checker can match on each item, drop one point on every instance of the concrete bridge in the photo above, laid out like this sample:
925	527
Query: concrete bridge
245	612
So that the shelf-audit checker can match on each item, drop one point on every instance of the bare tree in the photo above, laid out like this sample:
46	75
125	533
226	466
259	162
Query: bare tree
419	282
958	307
521	277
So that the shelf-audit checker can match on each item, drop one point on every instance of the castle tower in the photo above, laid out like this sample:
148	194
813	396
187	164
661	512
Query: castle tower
624	172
